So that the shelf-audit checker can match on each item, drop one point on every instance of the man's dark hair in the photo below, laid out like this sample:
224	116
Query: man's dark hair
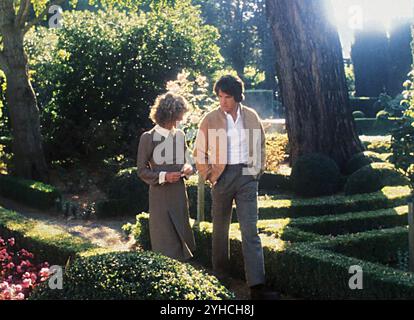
231	85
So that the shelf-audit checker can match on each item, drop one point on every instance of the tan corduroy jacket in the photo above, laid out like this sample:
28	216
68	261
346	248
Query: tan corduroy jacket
210	152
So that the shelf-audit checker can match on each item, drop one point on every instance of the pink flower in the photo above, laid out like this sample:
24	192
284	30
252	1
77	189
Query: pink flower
3	285
26	275
33	276
10	265
27	283
18	288
20	296
11	241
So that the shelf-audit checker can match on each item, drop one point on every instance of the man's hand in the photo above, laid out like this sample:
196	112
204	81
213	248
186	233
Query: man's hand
173	177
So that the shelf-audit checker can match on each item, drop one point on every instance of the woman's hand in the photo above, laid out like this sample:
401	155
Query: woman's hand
187	170
173	177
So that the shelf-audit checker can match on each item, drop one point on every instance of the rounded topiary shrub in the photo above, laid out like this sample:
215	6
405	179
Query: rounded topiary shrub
315	175
358	115
382	115
374	177
360	160
134	276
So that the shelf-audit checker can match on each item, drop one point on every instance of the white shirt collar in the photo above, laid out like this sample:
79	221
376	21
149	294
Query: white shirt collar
163	131
238	113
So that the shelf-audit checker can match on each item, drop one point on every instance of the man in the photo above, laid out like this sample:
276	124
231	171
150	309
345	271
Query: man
230	153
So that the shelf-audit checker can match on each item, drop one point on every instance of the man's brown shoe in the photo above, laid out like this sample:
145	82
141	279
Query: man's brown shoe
261	292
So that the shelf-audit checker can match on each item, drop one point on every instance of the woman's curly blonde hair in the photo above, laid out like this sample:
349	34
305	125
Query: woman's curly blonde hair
167	108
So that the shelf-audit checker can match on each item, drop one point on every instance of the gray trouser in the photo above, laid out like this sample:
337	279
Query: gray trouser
232	185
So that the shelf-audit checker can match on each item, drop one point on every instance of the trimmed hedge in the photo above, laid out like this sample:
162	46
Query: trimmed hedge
134	276
273	181
373	127
314	270
374	177
271	208
364	104
49	242
32	193
268	182
352	222
378	246
358	114
91	273
360	160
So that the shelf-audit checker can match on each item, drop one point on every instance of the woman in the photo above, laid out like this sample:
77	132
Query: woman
161	164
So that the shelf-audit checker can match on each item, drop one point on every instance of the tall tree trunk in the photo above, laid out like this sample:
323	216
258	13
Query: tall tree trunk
312	80
29	158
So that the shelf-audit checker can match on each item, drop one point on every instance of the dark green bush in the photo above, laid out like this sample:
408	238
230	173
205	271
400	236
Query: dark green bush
360	160
192	193
271	181
32	193
374	177
97	77
315	175
358	114
134	276
127	195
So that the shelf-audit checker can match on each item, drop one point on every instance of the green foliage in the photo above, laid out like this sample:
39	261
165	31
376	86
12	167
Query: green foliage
315	175
272	207
277	148
140	230
195	89
32	193
50	243
374	177
350	79
379	146
390	107
134	276
127	195
192	193
382	115
320	264
360	160
373	127
272	182
358	114
352	222
403	138
106	69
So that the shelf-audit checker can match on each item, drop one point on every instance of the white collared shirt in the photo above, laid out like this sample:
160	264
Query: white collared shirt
165	133
237	149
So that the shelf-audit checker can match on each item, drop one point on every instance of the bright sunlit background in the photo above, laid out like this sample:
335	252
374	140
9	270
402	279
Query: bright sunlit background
356	14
